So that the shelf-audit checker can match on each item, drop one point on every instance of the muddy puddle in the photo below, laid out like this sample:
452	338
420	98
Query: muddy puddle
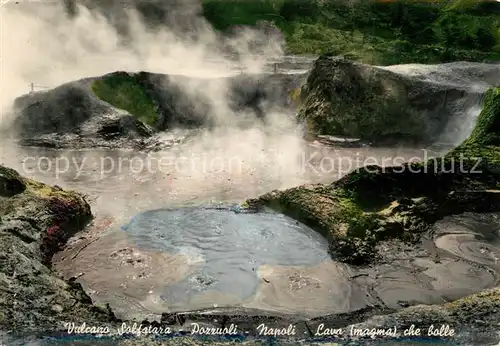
194	258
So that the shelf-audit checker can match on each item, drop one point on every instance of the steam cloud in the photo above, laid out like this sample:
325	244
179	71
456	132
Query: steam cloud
42	44
51	43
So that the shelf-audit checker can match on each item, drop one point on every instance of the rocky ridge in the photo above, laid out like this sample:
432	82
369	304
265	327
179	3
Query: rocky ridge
35	221
132	110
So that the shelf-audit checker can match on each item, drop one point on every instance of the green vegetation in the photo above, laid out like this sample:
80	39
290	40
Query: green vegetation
487	130
374	32
484	142
125	91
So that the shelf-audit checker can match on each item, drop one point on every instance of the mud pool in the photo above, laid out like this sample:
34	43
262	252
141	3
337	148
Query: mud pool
200	258
228	248
154	248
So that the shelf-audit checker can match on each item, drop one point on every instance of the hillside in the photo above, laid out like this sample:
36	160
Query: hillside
377	32
374	32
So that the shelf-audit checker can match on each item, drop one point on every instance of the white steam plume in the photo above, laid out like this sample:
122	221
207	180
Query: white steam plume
41	44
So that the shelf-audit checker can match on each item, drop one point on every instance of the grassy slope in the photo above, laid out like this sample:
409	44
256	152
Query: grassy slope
125	91
374	32
484	142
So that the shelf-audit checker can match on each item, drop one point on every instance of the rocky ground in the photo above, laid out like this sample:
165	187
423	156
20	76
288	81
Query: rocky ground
357	214
373	205
376	203
35	222
36	219
380	105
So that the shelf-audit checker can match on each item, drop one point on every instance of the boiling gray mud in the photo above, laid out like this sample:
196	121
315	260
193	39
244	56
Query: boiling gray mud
230	248
173	256
472	237
196	258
